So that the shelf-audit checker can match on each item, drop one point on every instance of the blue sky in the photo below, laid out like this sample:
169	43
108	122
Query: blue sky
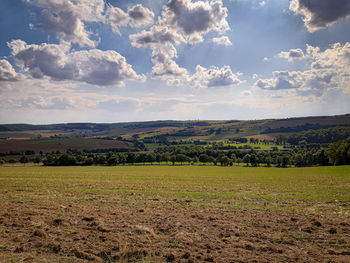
112	61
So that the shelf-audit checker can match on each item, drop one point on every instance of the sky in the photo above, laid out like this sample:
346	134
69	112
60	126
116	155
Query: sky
118	61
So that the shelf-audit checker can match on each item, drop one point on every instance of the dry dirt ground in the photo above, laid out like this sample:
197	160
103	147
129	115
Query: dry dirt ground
115	228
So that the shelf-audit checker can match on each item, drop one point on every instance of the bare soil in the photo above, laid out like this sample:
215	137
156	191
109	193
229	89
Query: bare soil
95	228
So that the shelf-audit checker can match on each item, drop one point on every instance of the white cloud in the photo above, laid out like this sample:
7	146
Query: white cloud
327	70
156	37
165	67
195	19
262	3
214	77
319	14
66	18
292	54
58	63
137	16
181	21
140	16
224	41
7	73
52	103
116	17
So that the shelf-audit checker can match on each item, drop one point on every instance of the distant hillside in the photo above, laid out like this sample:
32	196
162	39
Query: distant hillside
170	130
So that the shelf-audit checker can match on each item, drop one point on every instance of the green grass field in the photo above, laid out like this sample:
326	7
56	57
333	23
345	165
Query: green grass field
291	188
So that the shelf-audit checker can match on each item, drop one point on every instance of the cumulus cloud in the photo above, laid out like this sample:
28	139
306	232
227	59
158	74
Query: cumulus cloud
224	41
66	18
281	80
116	17
181	21
162	40
292	54
195	19
58	63
326	70
164	65
155	37
7	73
214	77
320	14
140	16
303	83
137	16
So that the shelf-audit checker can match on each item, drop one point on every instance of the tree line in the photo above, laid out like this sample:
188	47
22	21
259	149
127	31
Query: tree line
336	154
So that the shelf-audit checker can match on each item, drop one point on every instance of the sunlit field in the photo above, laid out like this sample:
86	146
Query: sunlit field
172	213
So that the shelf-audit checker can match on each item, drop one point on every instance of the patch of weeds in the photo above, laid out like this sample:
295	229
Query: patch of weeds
340	241
14	259
255	223
243	229
126	255
177	243
3	248
299	235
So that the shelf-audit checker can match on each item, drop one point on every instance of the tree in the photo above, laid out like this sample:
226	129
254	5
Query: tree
122	158
141	158
253	160
211	159
100	159
50	160
66	160
224	160
339	152
89	161
321	158
151	158
181	158
233	158
268	161
173	159
246	159
131	158
285	160
23	160
203	158
298	160
158	158
166	157
113	159
37	160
